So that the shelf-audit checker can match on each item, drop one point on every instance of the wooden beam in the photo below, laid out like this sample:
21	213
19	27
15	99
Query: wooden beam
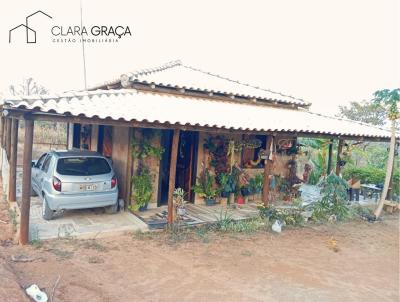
338	159
267	172
12	175
26	182
172	174
330	151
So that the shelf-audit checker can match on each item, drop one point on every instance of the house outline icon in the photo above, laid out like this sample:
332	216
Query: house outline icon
27	33
27	28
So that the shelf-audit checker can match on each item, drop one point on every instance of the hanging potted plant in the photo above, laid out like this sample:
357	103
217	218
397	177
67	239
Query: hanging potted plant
179	199
205	188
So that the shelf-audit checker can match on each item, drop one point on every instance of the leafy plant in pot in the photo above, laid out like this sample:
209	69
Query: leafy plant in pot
205	188
142	189
179	198
227	183
256	184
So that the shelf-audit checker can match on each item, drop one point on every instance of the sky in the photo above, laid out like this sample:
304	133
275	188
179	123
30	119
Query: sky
327	52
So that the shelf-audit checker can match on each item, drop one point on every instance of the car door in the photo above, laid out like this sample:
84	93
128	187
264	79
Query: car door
36	171
42	172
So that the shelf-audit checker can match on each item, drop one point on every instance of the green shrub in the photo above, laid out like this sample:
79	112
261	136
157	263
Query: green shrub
334	199
371	175
142	188
291	216
366	174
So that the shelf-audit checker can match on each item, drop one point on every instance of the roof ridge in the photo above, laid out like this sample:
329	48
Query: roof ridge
241	83
175	63
165	66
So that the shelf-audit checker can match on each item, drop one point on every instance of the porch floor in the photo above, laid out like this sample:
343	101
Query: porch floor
199	214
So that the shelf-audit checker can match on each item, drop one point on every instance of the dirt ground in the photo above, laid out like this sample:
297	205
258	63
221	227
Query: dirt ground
296	265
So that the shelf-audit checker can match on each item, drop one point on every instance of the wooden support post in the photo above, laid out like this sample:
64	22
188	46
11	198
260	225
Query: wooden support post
267	172
8	138
94	138
70	136
2	132
172	174
12	180
26	182
330	151
129	169
338	159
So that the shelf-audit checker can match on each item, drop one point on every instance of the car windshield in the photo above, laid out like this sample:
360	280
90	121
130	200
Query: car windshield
83	166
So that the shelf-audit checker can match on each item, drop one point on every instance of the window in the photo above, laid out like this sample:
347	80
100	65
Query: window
83	166
40	161
46	164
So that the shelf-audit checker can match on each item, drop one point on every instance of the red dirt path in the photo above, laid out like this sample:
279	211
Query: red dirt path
297	265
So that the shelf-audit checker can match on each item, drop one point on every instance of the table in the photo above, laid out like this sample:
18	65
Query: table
371	190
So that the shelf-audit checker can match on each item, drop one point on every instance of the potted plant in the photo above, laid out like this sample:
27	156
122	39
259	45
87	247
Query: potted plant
227	183
240	198
256	184
142	190
179	198
205	188
245	191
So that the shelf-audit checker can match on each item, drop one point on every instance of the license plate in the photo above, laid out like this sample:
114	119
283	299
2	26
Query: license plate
88	187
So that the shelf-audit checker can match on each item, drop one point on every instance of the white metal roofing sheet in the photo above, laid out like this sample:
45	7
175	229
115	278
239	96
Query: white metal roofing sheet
175	74
129	104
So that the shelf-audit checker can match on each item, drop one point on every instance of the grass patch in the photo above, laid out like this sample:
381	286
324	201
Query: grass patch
13	216
246	253
37	243
140	235
92	244
61	254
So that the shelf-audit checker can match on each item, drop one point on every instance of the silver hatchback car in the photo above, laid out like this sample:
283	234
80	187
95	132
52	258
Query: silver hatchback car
74	179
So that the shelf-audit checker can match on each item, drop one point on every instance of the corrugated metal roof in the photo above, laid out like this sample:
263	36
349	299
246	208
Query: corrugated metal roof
175	74
129	105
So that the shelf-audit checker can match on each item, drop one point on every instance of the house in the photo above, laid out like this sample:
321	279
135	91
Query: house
176	111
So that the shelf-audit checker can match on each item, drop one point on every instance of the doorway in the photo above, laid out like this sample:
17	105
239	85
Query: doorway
186	165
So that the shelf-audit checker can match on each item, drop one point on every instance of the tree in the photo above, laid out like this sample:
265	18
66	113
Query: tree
390	100
366	111
28	87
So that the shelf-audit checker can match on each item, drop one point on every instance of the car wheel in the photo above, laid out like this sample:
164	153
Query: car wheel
47	213
112	209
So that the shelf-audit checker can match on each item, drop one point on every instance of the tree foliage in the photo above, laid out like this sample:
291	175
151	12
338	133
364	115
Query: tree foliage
366	111
390	100
28	87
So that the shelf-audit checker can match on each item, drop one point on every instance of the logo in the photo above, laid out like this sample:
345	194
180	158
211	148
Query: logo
29	31
72	33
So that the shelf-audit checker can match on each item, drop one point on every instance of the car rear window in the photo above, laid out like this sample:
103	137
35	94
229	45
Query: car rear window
81	166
